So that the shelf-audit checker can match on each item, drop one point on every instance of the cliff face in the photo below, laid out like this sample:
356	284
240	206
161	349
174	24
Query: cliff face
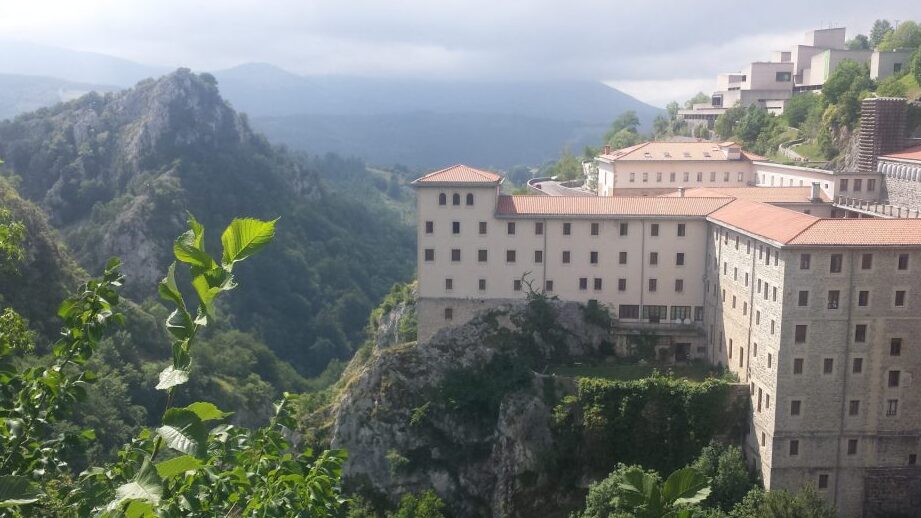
465	414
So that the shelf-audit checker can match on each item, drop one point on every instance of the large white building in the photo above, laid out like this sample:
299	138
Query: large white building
819	316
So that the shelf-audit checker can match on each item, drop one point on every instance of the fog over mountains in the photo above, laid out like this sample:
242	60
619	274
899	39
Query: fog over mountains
418	123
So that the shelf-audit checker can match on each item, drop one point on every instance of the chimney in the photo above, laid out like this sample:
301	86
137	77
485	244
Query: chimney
816	193
607	149
681	192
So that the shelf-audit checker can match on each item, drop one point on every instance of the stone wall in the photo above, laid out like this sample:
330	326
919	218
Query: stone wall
893	492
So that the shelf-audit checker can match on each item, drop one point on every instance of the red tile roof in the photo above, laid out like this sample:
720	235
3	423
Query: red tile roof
676	151
764	220
537	205
861	232
762	194
459	174
912	153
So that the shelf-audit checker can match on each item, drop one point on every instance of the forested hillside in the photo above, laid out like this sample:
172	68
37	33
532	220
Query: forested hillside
116	174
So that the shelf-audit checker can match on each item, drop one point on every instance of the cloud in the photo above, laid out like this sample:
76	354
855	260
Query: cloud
625	43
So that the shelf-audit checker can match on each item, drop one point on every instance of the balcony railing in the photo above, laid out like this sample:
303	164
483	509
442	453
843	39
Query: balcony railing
876	208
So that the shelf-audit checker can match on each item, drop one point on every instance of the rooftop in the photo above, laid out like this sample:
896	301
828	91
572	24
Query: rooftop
762	194
767	221
912	153
698	151
861	232
538	205
459	174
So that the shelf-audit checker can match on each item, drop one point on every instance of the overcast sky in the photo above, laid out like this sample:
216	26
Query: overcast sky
656	50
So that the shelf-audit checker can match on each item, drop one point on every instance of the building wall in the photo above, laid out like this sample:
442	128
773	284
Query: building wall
824	64
673	174
882	64
768	174
833	38
763	76
902	182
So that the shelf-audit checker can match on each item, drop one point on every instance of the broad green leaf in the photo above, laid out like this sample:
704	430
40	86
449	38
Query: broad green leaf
210	283
139	509
16	491
170	468
189	247
170	377
180	324
183	431
244	237
207	411
686	486
168	289
145	486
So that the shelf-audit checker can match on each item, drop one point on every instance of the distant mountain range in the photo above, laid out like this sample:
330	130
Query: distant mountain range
422	124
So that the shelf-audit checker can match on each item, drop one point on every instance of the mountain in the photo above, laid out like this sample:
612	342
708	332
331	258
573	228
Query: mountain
23	58
116	175
20	94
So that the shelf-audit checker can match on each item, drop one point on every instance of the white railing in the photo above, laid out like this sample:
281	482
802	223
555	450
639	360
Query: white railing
877	208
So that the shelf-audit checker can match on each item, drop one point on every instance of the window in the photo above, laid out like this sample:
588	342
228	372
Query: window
700	176
565	256
863	298
687	176
871	184
795	406
797	366
772	326
903	262
645	177
597	283
853	407
632	177
858	185
712	176
835	265
449	284
548	285
429	227
455	199
652	284
442	199
698	313
679	259
895	347
679	285
455	227
804	260
866	261
628	311
622	258
899	298
455	255
894	378
449	313
671	177
654	229
469	199
583	283
538	228
623	229
843	187
726	176
794	447
511	228
758	317
482	256
510	256
860	333
799	335
482	227
681	230
783	77
735	274
659	177
516	285
538	256
595	229
733	302
482	285
823	481
429	254
833	296
593	257
681	313
852	446
857	366
892	407
767	256
653	258
770	359
621	284
828	366
567	229
755	349
912	459
803	298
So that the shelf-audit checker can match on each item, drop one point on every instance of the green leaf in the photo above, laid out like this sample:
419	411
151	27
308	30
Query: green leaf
180	324
686	486
244	237
168	289
170	468
145	486
171	376
189	247
139	509
183	431
16	491
210	283
207	411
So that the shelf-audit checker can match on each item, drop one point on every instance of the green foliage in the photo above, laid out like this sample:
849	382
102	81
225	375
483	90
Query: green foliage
629	491
859	42
426	505
799	107
623	131
604	499
476	393
891	87
643	346
12	234
623	138
725	124
849	78
906	35
568	167
916	65
597	314
699	98
396	462
730	479
880	29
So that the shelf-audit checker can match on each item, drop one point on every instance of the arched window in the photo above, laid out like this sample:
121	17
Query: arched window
469	198
442	199
455	200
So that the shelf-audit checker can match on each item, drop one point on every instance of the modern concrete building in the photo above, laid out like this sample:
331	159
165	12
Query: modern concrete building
886	63
819	316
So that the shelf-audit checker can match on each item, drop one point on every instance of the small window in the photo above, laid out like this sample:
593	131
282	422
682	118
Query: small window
833	296
679	285
455	255
449	284
852	446
679	259
900	298
469	199
892	407
442	199
567	229
894	378
539	228
828	366
863	298
823	481
871	184
654	229
455	227
455	199
903	262
624	227
770	358
681	229
511	228
652	284
482	285
843	185
482	256
482	228
866	261
566	257
548	285
538	256
510	256
895	347
803	299
449	313
795	407
835	264
593	257
912	459
429	227
653	258
804	261
595	229
621	284
857	366
797	366
583	283
860	333
516	285
853	407
783	77
622	258
429	254
800	333
794	447
597	283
